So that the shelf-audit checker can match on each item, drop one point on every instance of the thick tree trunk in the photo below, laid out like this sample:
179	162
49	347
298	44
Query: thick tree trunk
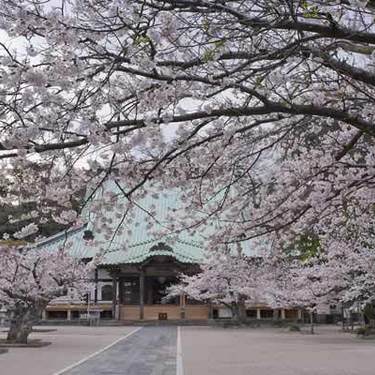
311	314
19	332
362	319
343	318
21	323
238	312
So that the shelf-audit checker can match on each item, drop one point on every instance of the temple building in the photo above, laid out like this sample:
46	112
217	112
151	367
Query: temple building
130	284
135	269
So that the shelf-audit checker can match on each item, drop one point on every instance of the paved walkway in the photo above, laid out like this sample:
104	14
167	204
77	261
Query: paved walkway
69	345
149	351
204	351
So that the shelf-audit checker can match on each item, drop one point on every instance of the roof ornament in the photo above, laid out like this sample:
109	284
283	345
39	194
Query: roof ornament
88	235
161	246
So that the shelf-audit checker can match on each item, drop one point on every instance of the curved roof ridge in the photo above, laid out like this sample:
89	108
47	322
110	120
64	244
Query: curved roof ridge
60	235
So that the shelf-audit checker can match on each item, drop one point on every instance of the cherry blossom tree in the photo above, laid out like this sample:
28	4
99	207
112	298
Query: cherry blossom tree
201	94
337	270
225	279
259	112
30	278
21	204
295	284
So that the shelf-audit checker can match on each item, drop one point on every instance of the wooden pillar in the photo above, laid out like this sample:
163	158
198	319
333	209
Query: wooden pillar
283	314
299	316
211	311
118	299
259	316
182	306
275	315
114	297
96	286
141	295
69	315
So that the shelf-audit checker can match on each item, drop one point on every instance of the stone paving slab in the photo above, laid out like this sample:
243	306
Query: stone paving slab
149	351
205	351
218	351
69	345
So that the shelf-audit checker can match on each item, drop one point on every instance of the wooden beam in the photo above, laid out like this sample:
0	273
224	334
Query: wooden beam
182	305
141	294
96	286
114	296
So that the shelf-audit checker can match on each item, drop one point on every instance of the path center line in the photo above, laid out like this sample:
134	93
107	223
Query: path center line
83	360
179	364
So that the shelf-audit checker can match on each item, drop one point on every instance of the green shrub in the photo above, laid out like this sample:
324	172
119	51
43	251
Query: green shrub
363	331
369	312
294	328
278	323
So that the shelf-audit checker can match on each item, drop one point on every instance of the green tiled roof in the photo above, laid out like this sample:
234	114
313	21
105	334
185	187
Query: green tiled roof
134	244
181	251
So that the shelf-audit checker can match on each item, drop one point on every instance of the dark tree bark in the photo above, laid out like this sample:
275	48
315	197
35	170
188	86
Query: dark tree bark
312	327
238	312
21	323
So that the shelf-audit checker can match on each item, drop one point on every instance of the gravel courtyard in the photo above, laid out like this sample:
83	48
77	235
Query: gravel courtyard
205	351
275	352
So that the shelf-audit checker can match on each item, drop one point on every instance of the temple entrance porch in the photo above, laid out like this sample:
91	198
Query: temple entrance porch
141	292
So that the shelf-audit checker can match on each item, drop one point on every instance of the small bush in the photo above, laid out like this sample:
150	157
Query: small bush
369	312
363	331
294	328
278	323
